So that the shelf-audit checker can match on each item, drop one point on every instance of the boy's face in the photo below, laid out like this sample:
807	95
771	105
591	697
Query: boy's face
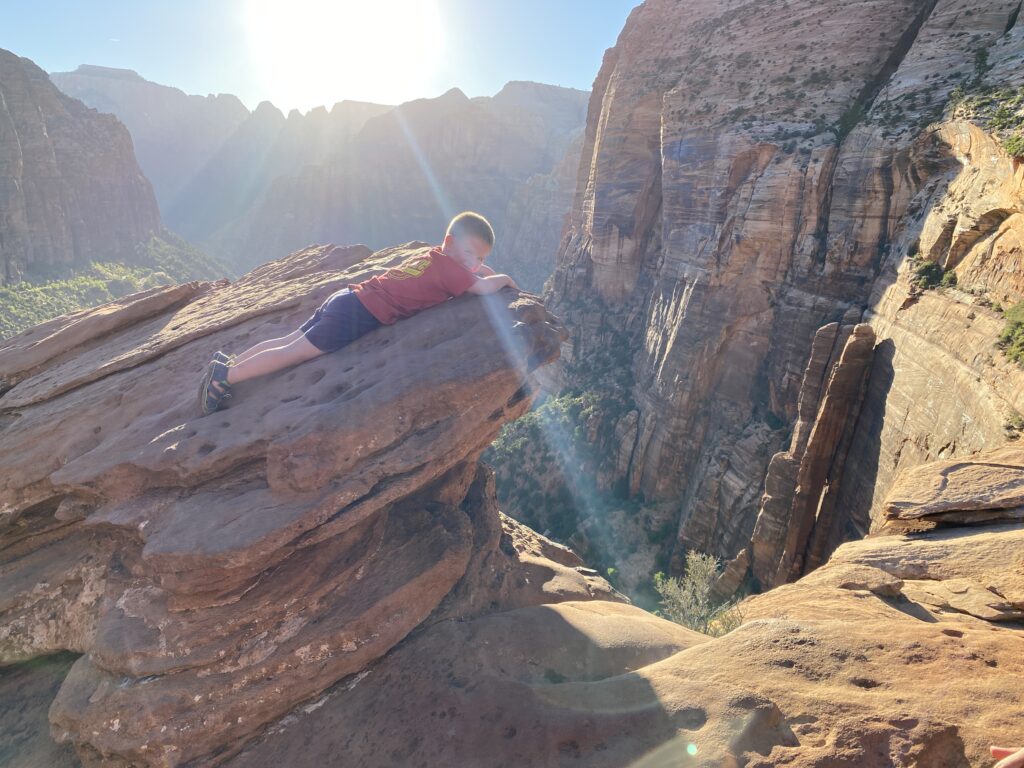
469	250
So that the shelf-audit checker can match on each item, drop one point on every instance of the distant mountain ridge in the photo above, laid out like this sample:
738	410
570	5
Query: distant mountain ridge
174	133
409	169
251	186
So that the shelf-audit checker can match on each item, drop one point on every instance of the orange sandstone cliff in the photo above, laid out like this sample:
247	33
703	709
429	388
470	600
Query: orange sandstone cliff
759	185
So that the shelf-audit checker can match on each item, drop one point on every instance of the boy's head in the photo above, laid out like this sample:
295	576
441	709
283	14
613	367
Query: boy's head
469	240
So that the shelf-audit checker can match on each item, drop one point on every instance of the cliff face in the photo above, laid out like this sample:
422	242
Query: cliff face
535	220
735	195
175	134
70	188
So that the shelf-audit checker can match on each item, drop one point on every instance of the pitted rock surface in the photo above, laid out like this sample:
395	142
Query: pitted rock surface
214	571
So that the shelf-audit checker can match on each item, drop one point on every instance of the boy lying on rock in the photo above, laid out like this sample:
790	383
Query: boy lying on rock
446	271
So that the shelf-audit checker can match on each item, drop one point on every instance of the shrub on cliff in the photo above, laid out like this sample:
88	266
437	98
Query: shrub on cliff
928	274
1014	145
688	600
1012	339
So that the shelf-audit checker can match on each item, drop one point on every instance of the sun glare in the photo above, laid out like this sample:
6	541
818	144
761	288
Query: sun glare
308	53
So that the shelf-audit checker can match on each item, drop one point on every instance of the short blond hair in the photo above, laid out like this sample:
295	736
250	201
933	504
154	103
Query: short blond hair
471	223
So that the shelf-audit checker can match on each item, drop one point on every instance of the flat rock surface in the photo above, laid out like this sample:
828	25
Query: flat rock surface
981	487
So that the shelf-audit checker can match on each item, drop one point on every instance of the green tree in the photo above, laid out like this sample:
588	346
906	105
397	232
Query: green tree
688	600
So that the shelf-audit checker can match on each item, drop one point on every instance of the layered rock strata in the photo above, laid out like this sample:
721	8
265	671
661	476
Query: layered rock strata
175	134
70	187
797	521
321	569
735	195
215	571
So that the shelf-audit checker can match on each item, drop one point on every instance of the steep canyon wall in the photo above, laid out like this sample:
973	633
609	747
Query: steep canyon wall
736	193
70	188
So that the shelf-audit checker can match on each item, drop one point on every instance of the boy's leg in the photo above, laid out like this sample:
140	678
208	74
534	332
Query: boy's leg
268	344
270	360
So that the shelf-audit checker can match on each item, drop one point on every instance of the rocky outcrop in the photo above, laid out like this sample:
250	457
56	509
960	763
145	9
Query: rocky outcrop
175	134
734	196
797	521
216	571
982	488
70	188
851	665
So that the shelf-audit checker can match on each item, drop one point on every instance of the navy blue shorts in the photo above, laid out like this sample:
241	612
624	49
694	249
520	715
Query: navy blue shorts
340	320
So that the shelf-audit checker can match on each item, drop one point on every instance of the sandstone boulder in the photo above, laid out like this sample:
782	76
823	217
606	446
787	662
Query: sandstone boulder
214	571
874	659
975	489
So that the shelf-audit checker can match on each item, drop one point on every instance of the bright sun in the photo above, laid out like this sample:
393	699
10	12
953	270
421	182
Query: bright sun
317	52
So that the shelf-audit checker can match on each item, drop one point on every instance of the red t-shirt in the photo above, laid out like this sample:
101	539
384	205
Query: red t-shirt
419	282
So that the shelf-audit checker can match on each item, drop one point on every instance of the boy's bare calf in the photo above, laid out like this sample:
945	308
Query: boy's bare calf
272	355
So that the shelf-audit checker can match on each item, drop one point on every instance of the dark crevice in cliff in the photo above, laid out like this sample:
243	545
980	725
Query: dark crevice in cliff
1012	21
869	92
859	109
882	246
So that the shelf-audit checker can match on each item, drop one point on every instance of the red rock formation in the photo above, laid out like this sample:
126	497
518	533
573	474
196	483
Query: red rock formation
231	566
735	194
321	569
988	486
174	134
901	651
70	188
798	521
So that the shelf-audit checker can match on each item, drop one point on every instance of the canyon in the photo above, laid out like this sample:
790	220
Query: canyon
771	335
745	212
321	571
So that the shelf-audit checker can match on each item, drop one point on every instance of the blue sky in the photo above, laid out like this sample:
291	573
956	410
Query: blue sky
299	53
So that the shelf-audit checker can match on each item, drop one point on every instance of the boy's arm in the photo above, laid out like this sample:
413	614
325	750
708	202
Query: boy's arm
491	284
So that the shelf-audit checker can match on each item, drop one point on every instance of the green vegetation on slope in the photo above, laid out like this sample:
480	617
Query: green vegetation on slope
53	290
549	439
1012	339
928	274
546	472
999	110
